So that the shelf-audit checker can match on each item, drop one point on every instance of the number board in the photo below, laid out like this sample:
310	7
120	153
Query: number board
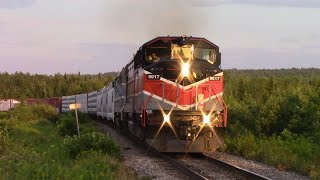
215	78
153	76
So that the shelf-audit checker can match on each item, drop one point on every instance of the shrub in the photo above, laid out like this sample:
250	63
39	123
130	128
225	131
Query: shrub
24	112
83	117
4	136
290	152
67	125
92	141
45	111
3	115
93	165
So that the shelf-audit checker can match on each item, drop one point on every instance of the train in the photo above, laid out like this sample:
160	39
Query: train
7	104
169	95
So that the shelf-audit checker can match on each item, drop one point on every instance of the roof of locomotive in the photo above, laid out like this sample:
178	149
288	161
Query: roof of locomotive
169	38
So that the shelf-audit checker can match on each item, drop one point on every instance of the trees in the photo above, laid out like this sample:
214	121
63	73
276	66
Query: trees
22	86
274	117
268	102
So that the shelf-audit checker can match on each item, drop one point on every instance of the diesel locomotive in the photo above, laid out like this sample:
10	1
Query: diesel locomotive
169	95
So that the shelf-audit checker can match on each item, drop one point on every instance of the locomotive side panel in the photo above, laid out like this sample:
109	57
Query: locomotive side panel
130	89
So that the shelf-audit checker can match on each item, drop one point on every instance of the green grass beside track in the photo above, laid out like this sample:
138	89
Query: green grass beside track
35	149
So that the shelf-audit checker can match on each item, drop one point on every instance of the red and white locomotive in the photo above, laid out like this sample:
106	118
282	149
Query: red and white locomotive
169	95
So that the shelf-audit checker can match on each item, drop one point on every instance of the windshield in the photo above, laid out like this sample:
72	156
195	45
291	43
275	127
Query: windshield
175	50
184	52
190	52
209	55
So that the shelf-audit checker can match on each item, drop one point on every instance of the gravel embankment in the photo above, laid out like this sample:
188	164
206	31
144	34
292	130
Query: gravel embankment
139	160
147	165
257	167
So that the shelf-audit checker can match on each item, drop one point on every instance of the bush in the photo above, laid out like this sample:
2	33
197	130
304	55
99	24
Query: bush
4	136
92	141
289	152
24	112
67	125
45	111
83	117
93	165
3	115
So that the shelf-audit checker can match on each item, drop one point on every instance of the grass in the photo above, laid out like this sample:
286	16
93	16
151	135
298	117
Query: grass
36	150
299	154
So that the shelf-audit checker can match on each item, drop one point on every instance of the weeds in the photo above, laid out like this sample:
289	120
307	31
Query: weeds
298	154
92	141
37	150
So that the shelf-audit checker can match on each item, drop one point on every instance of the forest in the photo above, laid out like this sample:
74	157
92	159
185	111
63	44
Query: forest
21	86
273	115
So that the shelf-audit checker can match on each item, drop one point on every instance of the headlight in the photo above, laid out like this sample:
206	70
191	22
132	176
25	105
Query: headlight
166	118
185	69
206	119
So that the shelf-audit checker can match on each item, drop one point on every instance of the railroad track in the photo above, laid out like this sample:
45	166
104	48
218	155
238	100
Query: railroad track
201	166
243	172
211	168
197	166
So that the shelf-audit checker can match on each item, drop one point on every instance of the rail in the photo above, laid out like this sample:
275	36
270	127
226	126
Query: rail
246	173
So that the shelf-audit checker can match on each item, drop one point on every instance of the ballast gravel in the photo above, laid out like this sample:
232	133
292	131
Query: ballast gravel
265	170
148	166
139	160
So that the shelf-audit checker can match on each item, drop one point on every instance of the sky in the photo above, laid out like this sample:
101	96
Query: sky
92	36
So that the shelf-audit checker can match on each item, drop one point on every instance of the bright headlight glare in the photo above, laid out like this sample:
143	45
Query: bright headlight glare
185	69
166	118
206	119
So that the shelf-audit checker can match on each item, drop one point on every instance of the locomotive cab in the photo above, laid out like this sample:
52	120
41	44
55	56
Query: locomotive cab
194	58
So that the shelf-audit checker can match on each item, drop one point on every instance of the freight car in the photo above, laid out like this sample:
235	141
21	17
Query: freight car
54	101
92	103
105	106
7	104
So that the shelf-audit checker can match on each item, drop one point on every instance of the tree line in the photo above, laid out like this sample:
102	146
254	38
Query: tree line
269	102
266	102
24	85
274	117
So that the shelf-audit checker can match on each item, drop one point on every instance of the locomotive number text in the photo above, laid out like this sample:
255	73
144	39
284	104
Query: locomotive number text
153	76
215	78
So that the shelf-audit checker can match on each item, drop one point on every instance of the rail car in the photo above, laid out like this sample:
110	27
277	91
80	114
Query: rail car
7	104
169	95
105	107
56	102
92	103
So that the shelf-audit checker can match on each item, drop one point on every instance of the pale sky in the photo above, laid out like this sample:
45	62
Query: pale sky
92	36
